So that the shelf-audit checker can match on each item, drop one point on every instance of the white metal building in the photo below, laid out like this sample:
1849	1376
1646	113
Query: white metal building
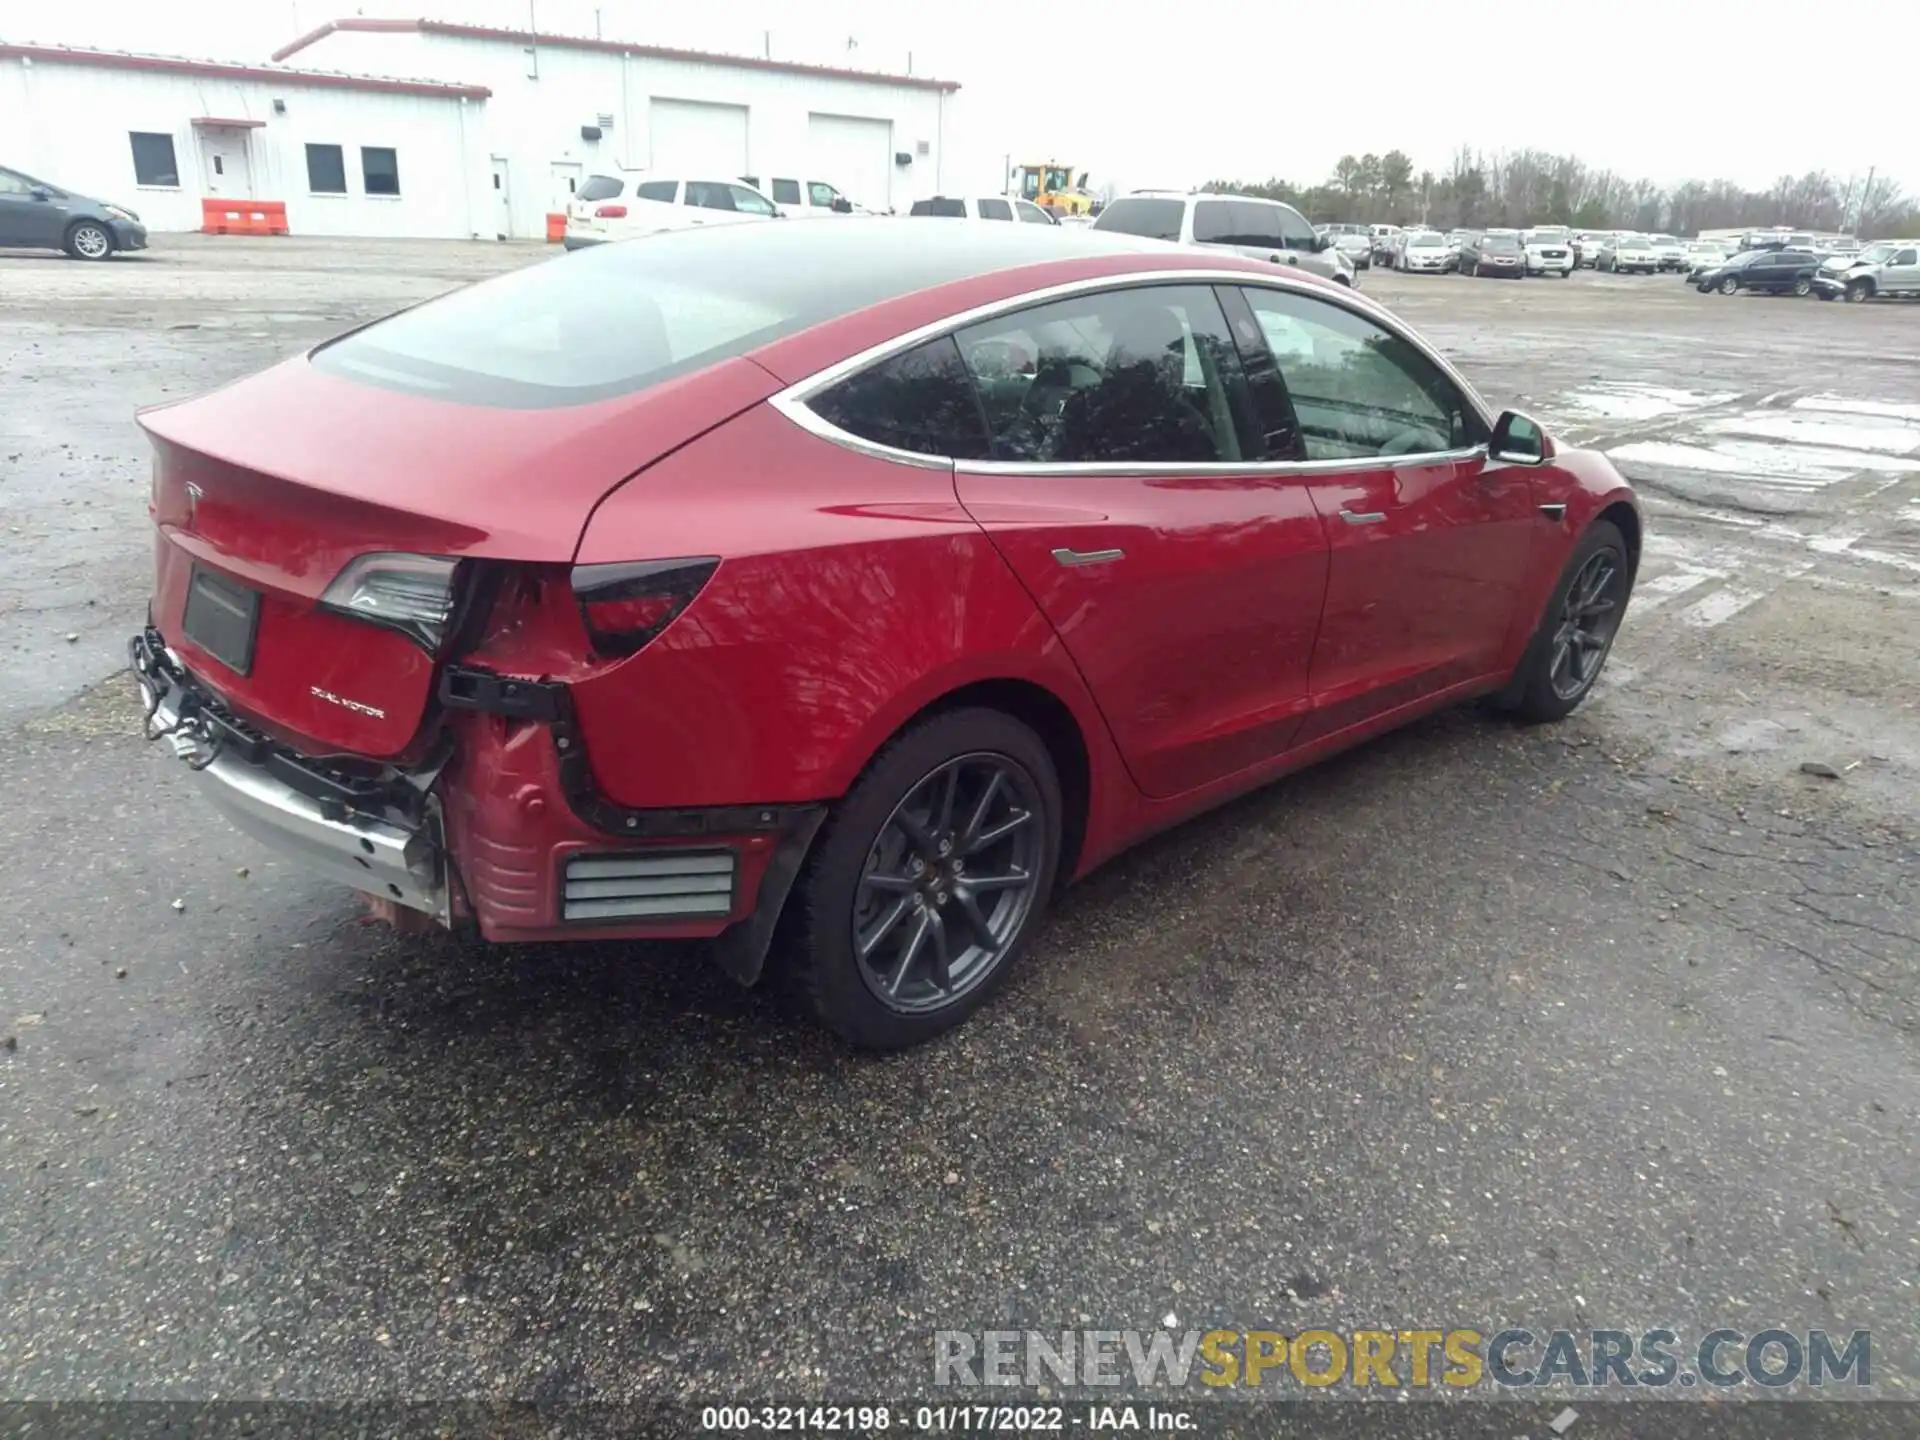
346	154
561	107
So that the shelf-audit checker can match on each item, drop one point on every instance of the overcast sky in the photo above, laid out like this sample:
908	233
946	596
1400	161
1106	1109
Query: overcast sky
1161	93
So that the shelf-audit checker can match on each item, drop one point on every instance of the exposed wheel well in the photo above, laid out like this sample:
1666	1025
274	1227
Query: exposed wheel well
1627	520
1049	718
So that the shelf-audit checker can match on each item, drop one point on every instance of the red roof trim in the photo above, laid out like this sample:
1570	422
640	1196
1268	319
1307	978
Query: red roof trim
222	70
615	47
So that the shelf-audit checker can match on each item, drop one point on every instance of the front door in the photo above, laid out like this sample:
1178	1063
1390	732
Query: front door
502	200
1902	270
566	180
1429	538
1129	492
225	166
30	213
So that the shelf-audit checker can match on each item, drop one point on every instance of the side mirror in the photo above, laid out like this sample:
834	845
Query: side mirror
842	205
1520	440
40	192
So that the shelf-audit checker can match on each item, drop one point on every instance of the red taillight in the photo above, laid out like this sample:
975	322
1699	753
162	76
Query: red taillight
626	604
611	212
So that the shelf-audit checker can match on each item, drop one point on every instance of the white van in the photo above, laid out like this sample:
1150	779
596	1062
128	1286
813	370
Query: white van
621	204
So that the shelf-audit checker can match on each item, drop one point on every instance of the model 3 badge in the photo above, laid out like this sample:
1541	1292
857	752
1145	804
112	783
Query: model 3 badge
345	704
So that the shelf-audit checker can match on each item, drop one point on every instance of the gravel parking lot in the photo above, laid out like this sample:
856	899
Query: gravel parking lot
1610	1024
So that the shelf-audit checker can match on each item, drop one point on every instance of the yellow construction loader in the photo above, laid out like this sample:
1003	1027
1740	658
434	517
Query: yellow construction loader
1054	188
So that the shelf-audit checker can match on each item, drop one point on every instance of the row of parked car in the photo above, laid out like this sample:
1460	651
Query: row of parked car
1886	269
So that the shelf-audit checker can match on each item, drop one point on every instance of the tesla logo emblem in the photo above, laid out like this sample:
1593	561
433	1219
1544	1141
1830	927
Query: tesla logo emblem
356	706
194	494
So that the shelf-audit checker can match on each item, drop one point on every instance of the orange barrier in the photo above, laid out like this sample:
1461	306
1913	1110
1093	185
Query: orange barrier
556	227
243	217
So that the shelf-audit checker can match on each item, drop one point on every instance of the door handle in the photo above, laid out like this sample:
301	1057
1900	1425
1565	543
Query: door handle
1088	557
1363	517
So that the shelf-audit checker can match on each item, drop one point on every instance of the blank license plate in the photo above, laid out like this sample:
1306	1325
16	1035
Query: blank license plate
222	617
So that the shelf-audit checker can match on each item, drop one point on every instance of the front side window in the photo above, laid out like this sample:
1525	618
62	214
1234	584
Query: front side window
1295	232
706	195
1360	391
12	184
921	401
598	187
820	194
1032	214
326	170
991	209
1906	257
1261	224
786	192
379	170
1144	375
153	162
750	202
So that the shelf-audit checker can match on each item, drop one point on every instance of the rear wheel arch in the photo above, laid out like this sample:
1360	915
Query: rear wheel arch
1053	721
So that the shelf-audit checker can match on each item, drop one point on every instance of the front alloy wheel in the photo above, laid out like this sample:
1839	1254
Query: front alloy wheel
88	241
1729	285
1577	631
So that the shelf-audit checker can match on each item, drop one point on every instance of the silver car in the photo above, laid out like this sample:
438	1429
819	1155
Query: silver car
1246	224
1893	270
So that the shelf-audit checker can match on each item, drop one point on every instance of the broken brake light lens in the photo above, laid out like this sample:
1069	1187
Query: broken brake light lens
409	593
626	604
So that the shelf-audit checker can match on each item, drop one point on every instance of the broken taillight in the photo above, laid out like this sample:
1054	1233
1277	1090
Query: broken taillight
626	604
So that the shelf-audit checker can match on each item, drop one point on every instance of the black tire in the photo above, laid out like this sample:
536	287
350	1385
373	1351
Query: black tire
1534	697
826	974
88	240
1728	286
1803	287
1858	291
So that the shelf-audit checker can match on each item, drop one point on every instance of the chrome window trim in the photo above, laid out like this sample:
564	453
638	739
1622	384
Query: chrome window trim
792	401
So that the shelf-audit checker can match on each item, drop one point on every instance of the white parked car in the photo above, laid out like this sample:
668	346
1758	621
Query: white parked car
623	204
1248	225
1424	250
1670	250
1624	253
982	207
800	199
1704	255
1549	251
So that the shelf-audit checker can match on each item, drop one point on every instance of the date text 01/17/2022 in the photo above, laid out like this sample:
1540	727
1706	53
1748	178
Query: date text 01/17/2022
944	1419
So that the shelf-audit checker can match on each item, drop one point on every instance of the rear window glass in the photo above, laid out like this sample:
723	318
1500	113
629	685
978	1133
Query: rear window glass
1150	218
945	209
569	331
600	187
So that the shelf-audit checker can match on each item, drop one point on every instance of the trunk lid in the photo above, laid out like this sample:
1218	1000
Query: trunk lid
275	484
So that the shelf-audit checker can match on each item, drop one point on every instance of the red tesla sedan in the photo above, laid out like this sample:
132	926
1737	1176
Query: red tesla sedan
872	578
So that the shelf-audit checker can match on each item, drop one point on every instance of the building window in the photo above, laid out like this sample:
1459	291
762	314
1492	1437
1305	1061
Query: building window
327	170
153	162
380	168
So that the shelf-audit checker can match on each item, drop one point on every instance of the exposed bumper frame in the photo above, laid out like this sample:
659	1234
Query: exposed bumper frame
392	856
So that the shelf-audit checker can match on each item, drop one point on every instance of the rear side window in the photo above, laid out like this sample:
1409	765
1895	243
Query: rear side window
995	210
663	190
598	187
942	207
786	192
1150	217
1214	223
1258	224
921	401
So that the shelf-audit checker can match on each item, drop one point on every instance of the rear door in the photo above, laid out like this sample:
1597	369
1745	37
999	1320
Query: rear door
1128	488
1429	538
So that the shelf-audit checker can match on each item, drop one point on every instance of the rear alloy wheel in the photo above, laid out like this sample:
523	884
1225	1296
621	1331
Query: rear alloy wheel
1803	286
1857	291
927	879
1729	285
89	241
1576	632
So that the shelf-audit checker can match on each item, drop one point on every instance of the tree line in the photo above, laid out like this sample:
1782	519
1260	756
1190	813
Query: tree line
1520	188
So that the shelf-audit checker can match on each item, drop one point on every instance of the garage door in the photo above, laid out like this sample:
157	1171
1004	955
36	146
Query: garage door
691	137
855	154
